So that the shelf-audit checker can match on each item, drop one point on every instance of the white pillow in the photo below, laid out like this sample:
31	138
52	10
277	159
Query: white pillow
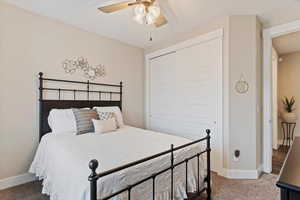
62	121
114	109
104	126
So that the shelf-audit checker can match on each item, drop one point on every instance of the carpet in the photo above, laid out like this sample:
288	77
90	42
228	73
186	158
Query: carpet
223	189
239	189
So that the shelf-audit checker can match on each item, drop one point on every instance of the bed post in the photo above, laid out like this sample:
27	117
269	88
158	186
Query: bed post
121	94
40	104
93	179
172	171
208	190
88	90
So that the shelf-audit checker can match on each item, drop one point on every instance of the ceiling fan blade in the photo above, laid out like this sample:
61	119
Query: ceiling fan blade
116	7
134	3
160	21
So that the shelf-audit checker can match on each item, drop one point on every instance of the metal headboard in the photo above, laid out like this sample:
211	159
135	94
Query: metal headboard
45	105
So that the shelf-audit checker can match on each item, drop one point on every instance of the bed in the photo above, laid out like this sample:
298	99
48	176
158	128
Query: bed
129	163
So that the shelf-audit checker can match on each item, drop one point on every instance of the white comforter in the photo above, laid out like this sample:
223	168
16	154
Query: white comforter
62	162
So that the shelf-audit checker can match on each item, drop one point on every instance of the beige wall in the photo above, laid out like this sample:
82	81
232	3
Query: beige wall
289	84
245	109
31	43
259	94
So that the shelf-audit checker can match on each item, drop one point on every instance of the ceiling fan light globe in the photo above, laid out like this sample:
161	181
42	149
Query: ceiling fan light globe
154	10
140	10
150	19
139	19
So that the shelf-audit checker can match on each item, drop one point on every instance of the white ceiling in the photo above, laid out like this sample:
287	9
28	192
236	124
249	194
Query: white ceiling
189	14
289	43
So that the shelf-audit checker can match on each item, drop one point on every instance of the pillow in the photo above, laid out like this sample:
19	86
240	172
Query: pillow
83	119
62	121
106	115
117	112
104	126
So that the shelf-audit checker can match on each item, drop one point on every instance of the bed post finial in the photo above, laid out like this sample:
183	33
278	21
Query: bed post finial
93	165
208	131
41	74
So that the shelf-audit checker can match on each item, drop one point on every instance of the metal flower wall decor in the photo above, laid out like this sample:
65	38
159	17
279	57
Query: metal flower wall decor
82	64
241	85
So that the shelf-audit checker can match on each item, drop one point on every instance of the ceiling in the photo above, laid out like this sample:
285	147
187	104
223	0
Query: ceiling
289	43
187	15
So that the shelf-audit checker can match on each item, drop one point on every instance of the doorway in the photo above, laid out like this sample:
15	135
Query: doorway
272	98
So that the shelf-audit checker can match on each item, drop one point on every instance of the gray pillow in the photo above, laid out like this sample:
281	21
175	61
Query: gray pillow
84	121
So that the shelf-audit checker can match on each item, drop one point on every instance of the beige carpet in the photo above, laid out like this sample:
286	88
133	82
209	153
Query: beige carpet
223	189
261	189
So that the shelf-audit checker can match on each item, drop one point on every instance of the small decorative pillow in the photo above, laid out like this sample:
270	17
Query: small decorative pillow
106	115
117	114
84	120
104	126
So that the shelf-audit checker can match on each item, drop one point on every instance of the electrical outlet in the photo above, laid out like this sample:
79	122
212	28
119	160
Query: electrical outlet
236	156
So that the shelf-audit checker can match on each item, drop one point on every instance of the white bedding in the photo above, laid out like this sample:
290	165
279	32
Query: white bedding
62	162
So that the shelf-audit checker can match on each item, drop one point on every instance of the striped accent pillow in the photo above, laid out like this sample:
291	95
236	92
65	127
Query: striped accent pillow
84	121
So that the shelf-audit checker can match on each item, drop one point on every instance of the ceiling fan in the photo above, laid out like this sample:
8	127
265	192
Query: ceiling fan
146	11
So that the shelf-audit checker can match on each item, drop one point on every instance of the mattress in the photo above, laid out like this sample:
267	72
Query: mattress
61	161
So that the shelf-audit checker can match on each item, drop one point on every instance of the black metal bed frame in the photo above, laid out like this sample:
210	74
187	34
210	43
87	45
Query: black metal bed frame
45	105
94	177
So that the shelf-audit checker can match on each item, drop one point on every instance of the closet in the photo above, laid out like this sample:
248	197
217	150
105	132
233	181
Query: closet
185	92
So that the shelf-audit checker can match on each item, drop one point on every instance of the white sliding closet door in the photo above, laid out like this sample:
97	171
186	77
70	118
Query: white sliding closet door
184	93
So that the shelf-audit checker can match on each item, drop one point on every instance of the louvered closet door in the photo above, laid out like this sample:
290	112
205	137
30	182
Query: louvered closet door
184	93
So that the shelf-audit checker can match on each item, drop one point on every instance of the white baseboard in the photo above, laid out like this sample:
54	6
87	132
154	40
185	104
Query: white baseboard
16	180
241	174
